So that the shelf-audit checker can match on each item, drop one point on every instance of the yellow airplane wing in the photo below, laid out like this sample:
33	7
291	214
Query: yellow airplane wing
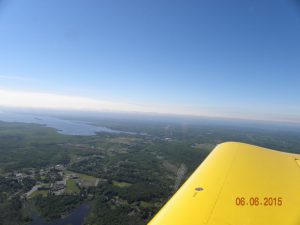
238	184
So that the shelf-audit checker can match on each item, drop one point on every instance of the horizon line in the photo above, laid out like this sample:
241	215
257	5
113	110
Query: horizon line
50	101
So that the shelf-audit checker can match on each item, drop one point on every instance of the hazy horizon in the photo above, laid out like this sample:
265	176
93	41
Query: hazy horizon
140	117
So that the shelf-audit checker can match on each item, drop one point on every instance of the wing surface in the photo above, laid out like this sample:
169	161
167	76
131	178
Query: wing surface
238	184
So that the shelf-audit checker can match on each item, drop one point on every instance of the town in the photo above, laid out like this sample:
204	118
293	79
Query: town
54	180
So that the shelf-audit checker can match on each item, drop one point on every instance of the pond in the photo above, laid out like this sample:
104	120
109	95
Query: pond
75	218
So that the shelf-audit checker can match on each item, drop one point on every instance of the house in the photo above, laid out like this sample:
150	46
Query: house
59	167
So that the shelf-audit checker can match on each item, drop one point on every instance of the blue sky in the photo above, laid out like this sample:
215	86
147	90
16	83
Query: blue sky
235	58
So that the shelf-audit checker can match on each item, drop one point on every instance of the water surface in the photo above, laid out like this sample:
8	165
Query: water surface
75	218
63	126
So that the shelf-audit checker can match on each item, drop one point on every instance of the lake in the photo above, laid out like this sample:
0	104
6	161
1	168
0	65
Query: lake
63	126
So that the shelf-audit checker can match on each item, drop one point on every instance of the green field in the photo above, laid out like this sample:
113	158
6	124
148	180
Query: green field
145	205
81	175
72	187
83	179
44	193
121	184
